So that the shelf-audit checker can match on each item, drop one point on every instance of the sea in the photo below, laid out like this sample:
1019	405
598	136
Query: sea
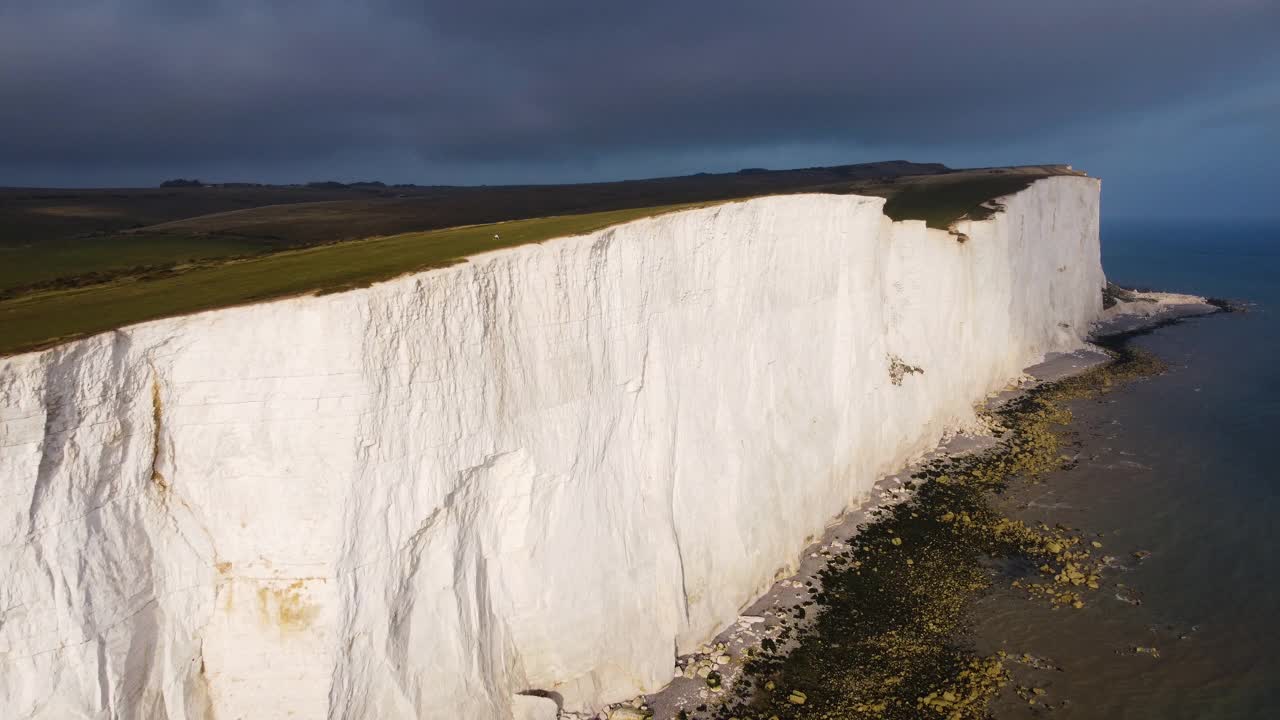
1175	476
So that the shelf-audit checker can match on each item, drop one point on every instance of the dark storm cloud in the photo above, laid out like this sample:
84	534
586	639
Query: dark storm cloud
262	89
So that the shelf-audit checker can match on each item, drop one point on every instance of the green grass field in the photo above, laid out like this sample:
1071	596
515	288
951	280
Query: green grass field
124	254
114	254
42	319
64	274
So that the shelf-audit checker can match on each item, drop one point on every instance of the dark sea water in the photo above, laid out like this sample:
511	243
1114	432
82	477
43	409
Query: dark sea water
1184	466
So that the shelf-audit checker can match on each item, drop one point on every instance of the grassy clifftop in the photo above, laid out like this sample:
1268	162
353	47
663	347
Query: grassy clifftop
40	319
60	287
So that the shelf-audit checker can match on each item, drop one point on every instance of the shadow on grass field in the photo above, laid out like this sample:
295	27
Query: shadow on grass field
87	263
941	203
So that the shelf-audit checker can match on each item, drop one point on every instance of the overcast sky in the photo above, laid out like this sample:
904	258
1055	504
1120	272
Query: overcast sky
1174	103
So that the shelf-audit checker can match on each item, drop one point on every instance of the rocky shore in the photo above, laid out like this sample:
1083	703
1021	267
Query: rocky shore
754	669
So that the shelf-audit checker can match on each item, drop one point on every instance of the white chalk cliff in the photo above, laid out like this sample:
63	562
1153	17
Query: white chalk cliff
550	468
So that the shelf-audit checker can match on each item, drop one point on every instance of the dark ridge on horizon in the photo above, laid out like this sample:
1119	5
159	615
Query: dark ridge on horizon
897	167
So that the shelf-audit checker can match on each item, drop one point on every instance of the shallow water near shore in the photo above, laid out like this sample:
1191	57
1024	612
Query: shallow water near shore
1179	466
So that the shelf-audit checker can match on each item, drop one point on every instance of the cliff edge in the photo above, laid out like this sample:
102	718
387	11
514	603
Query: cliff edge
551	468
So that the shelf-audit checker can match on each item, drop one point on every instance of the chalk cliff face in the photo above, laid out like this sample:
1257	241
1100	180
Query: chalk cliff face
552	467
